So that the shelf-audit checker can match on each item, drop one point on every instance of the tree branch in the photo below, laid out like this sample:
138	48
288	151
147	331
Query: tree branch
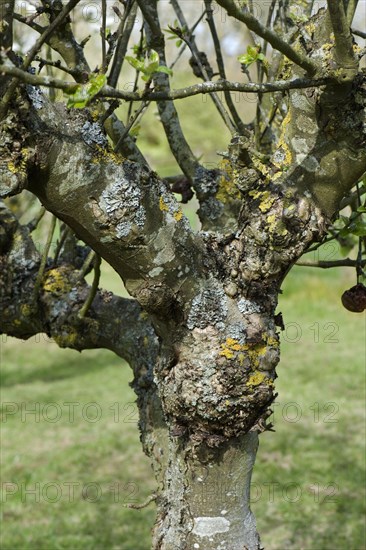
6	34
351	10
167	111
124	33
111	322
343	39
273	38
6	24
308	155
121	209
353	197
166	95
361	34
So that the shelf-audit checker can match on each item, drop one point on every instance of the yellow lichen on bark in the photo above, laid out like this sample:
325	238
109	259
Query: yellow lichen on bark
227	190
56	282
258	378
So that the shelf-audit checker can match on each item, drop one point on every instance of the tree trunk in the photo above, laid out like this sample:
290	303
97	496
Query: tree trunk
203	495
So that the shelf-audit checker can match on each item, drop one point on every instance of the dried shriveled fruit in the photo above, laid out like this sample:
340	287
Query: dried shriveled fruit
354	299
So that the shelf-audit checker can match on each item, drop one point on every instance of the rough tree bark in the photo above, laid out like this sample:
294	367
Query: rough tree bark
200	329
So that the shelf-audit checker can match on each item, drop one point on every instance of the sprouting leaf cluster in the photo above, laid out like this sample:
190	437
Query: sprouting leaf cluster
176	33
253	55
85	92
148	66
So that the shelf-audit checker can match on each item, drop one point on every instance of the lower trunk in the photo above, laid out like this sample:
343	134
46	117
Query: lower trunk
204	497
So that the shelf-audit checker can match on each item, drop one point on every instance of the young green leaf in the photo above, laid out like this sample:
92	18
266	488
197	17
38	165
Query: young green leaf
85	92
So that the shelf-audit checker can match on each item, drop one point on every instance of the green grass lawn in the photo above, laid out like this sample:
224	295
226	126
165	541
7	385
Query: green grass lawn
69	467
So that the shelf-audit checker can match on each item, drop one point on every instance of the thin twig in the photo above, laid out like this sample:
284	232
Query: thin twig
329	264
94	288
359	270
219	86
146	503
268	24
137	72
109	111
124	32
132	121
355	195
335	234
147	103
52	92
33	224
31	24
60	242
103	34
168	114
189	40
49	29
184	45
57	64
84	268
44	257
221	67
311	7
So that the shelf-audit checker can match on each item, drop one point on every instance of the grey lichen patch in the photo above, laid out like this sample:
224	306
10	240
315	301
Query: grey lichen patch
237	331
9	183
300	145
246	307
206	182
164	246
120	201
219	199
92	133
307	125
300	101
120	195
311	164
36	96
123	229
156	271
210	526
279	156
211	208
209	307
140	217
